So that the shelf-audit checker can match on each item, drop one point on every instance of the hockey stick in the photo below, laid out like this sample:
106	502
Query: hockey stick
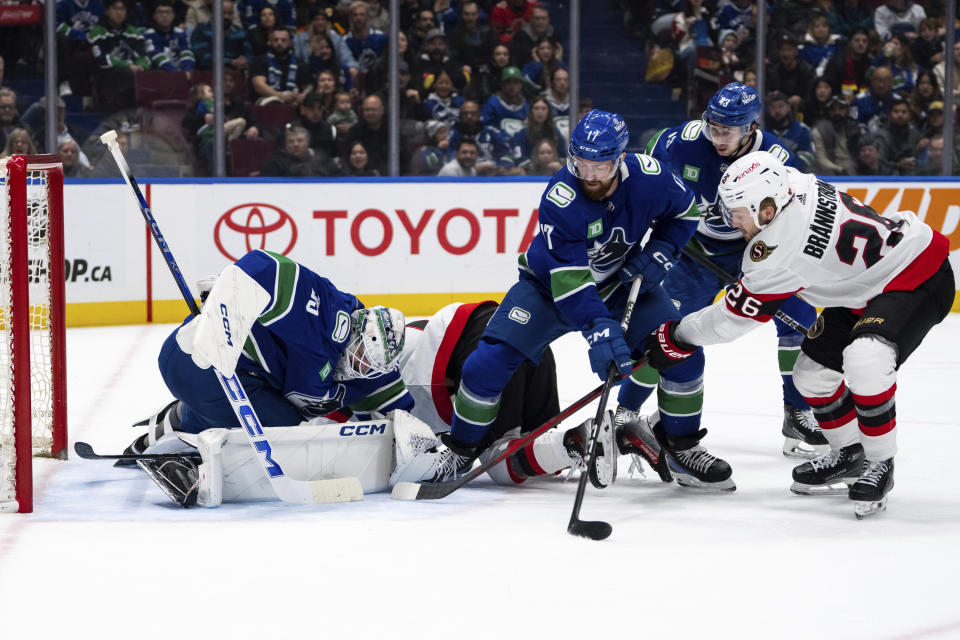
435	491
598	529
718	271
287	489
86	452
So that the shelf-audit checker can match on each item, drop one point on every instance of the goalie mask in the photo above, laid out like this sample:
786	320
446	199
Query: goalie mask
375	343
751	180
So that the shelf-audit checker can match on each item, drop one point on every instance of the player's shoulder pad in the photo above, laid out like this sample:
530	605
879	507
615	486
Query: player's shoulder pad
561	193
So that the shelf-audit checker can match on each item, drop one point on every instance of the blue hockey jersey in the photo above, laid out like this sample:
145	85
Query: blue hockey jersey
169	51
688	153
582	243
509	118
298	339
75	18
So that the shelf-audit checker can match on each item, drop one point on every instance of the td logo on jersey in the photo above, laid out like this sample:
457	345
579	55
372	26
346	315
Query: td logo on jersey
255	225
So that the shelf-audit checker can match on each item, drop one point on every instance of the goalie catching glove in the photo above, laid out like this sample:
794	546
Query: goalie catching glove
664	350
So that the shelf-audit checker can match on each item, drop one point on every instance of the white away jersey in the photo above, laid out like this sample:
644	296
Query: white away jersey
832	249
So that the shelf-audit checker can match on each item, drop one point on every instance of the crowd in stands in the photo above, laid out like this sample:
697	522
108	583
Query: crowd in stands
853	86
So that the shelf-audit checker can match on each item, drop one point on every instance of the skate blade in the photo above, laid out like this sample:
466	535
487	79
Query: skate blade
865	508
839	488
796	448
689	482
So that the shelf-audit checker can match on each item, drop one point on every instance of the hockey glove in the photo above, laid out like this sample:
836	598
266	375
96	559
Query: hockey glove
652	264
663	350
607	345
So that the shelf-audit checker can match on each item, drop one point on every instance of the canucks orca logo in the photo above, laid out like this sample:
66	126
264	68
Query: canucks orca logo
314	407
607	256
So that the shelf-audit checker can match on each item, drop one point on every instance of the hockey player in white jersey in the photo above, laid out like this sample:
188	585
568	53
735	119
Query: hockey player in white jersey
884	281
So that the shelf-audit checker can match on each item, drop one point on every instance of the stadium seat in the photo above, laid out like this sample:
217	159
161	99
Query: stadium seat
248	156
275	116
161	88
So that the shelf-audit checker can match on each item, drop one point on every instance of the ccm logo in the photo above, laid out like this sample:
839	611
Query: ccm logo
226	323
363	429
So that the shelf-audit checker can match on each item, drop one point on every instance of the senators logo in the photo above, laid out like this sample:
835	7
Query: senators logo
817	328
761	251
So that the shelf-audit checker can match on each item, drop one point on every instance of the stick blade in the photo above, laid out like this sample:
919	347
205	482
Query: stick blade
592	529
405	491
84	450
336	490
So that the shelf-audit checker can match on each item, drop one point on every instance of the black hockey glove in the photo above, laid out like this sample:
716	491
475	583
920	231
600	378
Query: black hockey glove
663	350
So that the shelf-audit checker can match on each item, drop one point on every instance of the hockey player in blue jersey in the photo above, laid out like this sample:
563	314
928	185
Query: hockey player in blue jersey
593	216
699	151
300	347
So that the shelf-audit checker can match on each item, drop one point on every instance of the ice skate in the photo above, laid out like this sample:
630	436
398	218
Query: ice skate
691	465
869	492
635	437
602	470
829	474
803	437
453	459
178	477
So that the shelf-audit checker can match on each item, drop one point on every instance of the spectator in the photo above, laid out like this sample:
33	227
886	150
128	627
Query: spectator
276	76
443	103
847	74
69	154
539	126
199	118
343	116
297	159
507	109
327	86
536	75
509	16
434	60
409	11
250	11
323	134
557	96
789	74
471	42
417	36
75	18
119	51
870	160
166	45
900	137
739	16
357	162
796	136
64	131
367	45
236	47
939	71
816	106
819	45
898	16
105	167
933	123
320	24
434	153
835	140
259	34
896	55
872	107
323	57
750	77
925	93
465	164
486	80
9	115
371	130
379	16
791	18
411	107
931	159
525	40
729	57
494	153
201	11
544	161
19	142
927	48
847	17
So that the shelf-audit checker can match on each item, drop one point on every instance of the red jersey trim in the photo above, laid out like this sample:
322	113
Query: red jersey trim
923	266
438	379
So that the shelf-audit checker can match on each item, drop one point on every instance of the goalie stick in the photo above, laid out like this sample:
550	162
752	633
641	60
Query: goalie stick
286	488
727	278
598	529
86	452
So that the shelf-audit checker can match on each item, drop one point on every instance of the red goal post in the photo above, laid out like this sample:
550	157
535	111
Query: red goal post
33	403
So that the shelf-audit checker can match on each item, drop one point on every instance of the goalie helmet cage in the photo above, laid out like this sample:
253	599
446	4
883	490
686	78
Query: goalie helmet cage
32	328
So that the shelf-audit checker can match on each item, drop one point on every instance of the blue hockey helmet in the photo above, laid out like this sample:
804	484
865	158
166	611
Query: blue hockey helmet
735	107
600	136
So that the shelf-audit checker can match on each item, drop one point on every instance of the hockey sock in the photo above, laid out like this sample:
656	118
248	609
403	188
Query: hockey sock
788	351
680	405
635	390
835	414
485	374
870	363
877	416
544	456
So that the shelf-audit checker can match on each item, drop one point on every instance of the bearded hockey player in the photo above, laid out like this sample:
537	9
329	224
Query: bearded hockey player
884	280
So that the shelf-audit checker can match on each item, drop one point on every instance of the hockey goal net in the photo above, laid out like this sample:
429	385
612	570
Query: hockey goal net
32	330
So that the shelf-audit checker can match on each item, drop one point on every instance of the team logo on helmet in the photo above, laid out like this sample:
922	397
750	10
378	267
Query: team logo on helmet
760	251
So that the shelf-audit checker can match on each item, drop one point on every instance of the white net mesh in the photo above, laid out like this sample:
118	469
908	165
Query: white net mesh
38	280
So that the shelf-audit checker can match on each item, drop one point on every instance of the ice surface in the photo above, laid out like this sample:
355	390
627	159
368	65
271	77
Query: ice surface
106	555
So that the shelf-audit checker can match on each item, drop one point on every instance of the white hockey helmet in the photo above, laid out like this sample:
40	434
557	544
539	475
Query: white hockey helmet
749	181
375	343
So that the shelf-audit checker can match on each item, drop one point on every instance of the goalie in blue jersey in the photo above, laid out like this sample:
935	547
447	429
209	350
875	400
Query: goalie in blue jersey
698	152
593	217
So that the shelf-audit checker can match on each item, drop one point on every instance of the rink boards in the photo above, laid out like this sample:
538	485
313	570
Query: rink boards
416	244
